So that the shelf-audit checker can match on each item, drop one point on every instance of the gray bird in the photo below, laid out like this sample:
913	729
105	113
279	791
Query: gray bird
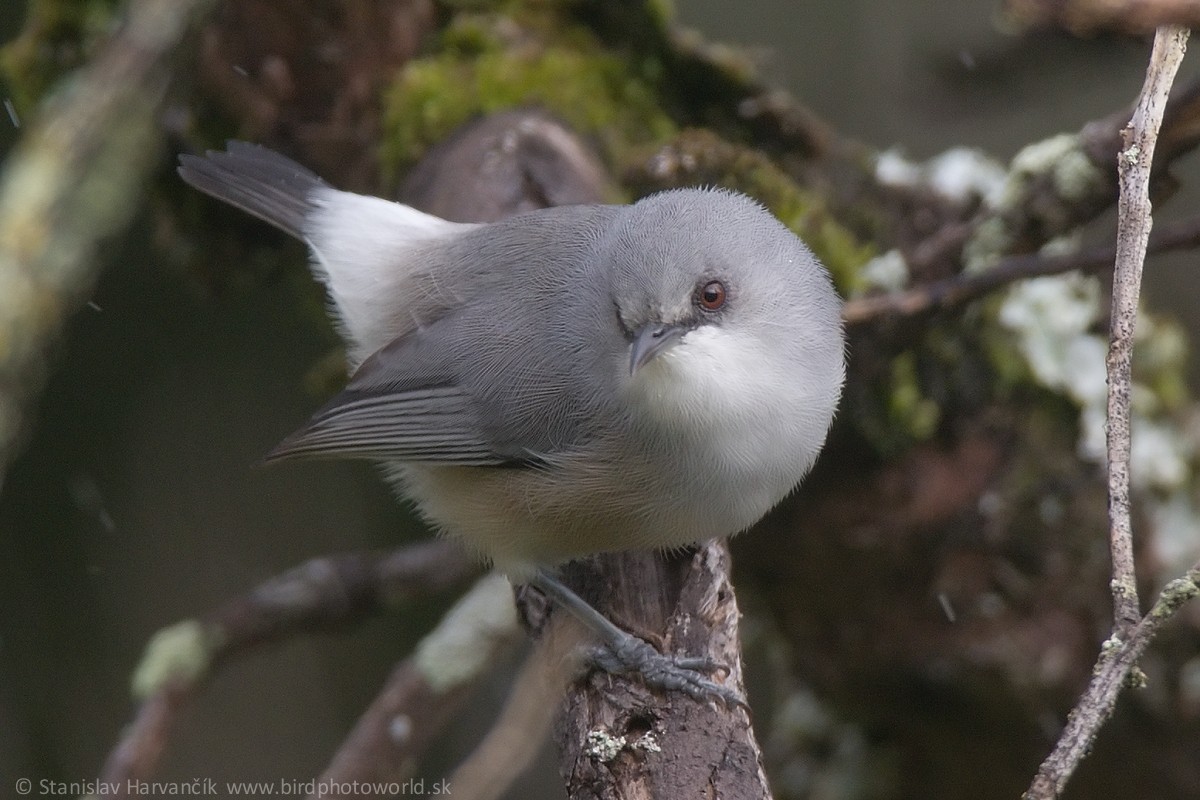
570	381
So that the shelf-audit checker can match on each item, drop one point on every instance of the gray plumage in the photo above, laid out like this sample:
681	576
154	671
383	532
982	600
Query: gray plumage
492	363
259	181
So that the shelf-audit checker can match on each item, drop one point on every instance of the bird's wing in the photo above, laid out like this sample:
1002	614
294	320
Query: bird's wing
434	423
415	401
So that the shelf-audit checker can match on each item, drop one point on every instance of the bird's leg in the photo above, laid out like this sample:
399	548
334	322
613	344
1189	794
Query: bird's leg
620	652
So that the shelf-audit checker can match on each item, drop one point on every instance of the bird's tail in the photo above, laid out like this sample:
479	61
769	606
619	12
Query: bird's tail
257	180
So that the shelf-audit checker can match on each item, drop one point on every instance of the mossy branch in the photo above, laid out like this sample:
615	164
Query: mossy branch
325	592
73	181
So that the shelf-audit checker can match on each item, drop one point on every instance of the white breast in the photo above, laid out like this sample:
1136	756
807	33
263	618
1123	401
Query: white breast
744	423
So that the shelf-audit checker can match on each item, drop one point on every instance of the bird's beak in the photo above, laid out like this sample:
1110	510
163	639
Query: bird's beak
650	341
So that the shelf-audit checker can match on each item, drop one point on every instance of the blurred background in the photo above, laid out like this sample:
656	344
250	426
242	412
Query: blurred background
140	499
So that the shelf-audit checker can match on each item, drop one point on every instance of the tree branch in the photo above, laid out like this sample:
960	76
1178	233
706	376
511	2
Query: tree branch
1133	232
1131	632
1118	658
324	592
425	691
618	739
953	293
522	727
1087	17
72	181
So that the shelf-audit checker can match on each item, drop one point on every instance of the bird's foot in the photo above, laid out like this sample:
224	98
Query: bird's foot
627	654
622	653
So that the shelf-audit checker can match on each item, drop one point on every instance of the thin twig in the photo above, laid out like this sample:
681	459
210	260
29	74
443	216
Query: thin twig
324	592
1131	632
1117	660
1133	232
1089	17
521	729
423	693
956	292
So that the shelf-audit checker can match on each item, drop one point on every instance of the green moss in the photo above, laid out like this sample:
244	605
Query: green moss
180	654
661	11
1009	365
907	398
909	411
490	63
534	54
57	37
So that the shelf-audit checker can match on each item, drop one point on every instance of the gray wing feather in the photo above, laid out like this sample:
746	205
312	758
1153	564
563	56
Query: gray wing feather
427	395
495	371
405	404
512	373
432	424
257	180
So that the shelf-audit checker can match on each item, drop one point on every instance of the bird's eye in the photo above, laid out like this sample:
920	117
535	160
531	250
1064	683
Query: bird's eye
711	296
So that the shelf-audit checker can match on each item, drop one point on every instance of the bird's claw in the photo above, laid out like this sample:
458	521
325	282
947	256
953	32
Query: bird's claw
687	674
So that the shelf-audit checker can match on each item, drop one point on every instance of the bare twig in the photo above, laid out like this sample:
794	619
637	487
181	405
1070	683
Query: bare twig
956	292
1112	672
522	727
136	755
1089	16
1131	632
323	592
1133	232
423	693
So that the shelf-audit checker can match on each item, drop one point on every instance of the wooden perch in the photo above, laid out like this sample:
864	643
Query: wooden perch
619	740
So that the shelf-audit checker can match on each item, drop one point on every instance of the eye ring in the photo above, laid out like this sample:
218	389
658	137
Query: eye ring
712	296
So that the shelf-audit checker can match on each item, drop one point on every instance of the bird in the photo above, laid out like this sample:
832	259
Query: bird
568	381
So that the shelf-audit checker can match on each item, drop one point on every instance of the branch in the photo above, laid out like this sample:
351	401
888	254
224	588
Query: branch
72	181
1117	660
1133	232
520	730
1036	206
620	740
1086	17
952	293
334	590
1131	632
425	691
